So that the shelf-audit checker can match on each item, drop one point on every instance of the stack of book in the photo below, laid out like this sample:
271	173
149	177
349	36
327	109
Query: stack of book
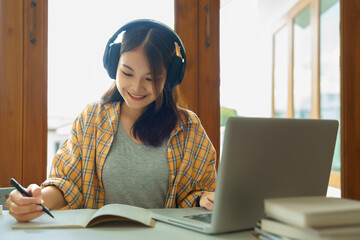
310	218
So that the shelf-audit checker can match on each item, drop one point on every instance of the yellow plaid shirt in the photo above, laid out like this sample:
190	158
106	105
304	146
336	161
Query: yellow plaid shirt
77	166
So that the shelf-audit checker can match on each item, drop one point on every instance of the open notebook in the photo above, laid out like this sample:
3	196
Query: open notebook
82	218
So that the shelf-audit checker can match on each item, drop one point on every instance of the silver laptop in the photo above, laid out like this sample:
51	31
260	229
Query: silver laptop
262	158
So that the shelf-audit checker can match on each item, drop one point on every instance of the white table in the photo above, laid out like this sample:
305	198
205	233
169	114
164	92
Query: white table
127	231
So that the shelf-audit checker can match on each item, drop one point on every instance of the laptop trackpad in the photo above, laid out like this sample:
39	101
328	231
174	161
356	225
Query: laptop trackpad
205	217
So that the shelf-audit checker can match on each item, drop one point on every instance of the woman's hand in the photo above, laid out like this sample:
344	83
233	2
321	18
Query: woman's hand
24	208
207	200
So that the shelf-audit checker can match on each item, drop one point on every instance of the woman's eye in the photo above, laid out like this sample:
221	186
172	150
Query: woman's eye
127	74
148	79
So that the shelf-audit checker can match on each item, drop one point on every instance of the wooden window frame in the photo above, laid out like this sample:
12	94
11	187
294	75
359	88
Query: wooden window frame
349	178
288	21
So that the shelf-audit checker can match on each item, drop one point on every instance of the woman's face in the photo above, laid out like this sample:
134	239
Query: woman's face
134	80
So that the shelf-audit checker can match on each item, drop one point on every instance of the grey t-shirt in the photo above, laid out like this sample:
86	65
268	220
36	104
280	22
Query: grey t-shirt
136	175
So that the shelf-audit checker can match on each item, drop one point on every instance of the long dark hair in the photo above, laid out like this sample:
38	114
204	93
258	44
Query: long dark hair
160	118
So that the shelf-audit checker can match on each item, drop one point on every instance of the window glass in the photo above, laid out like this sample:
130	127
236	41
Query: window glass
302	64
242	91
78	32
330	67
281	64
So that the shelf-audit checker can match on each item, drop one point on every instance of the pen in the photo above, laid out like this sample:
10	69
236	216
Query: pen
23	191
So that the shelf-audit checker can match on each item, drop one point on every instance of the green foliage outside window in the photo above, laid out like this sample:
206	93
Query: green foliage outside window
225	113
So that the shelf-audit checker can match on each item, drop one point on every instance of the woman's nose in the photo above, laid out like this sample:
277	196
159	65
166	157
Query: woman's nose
138	85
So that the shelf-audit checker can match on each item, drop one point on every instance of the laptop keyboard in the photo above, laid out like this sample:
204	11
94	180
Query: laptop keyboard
201	217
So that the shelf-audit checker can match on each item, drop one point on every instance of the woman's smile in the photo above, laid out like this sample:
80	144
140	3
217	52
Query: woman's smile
136	97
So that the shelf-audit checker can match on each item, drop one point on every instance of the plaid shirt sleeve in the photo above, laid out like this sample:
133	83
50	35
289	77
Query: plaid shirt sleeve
193	168
204	160
67	169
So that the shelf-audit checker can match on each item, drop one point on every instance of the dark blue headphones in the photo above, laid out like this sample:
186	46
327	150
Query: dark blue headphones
176	70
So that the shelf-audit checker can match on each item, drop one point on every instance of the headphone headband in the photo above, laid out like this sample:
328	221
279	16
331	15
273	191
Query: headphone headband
112	51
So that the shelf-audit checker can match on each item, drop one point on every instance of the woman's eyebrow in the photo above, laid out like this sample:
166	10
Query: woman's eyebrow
124	65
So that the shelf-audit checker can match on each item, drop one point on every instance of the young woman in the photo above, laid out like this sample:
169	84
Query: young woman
135	146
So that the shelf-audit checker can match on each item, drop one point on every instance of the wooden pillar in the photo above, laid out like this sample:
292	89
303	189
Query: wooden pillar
197	23
11	90
350	98
23	91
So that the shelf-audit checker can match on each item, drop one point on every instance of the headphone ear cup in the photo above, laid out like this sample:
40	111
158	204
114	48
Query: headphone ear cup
174	72
111	59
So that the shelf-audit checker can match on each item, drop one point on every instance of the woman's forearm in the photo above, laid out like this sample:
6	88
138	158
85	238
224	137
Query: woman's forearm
53	197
